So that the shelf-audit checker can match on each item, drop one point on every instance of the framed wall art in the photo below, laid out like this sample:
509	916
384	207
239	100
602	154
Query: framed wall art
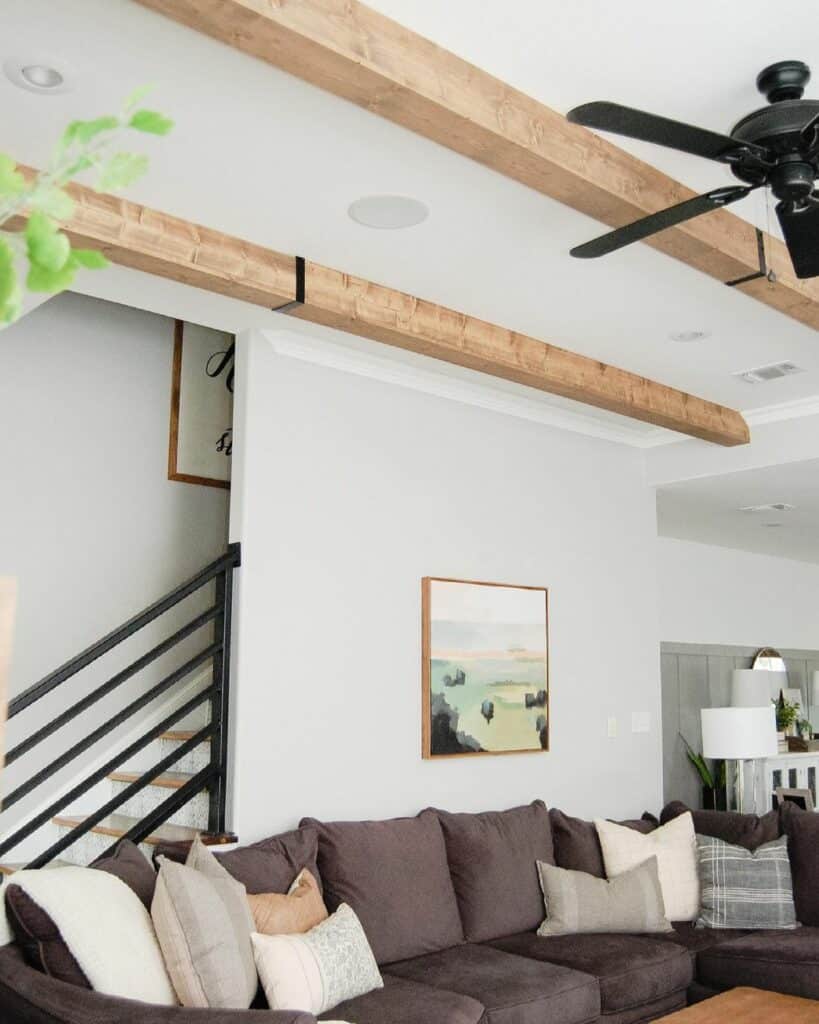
201	432
485	668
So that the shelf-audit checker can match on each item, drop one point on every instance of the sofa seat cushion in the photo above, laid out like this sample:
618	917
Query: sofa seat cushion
632	970
492	858
781	961
696	940
514	989
408	1002
395	876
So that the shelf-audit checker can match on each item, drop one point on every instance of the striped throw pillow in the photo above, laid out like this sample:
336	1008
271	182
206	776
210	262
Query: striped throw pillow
741	889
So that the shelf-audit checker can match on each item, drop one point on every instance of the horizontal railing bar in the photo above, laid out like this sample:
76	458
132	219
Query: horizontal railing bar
163	811
103	730
70	668
102	691
94	819
96	776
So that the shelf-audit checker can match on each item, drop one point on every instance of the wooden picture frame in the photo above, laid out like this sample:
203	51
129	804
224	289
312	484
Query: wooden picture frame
176	471
454	729
802	797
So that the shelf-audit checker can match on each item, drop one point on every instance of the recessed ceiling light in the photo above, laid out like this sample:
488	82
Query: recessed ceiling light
38	74
42	76
388	212
774	506
688	336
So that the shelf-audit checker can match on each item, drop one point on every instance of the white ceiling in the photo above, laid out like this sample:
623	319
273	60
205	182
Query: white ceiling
707	510
264	156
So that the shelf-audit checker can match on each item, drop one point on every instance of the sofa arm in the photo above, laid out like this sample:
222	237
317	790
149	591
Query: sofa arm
29	997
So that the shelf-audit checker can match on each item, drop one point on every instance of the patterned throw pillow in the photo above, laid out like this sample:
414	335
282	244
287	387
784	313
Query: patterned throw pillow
318	970
741	889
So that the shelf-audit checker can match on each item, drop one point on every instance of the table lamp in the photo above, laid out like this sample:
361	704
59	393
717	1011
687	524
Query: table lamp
739	734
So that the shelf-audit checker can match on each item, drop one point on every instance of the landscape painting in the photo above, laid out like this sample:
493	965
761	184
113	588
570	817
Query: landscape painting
485	668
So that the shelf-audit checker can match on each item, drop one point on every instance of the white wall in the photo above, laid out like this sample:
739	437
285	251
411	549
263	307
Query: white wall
716	595
349	491
89	523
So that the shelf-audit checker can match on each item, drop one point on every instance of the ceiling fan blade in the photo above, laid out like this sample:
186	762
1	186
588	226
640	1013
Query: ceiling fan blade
655	222
801	230
637	124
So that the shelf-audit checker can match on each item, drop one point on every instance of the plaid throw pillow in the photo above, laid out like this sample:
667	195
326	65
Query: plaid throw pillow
741	889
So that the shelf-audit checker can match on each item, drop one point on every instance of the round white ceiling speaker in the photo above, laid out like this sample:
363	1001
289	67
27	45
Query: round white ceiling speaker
389	213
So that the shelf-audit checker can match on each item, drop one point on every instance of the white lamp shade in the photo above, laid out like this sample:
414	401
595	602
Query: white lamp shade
753	688
737	734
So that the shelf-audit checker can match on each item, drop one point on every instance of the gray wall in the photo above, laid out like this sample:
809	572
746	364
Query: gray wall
696	676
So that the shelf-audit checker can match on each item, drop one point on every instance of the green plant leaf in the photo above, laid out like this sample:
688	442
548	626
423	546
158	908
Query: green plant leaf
12	183
9	286
137	96
90	259
54	202
47	247
82	132
121	170
40	279
151	121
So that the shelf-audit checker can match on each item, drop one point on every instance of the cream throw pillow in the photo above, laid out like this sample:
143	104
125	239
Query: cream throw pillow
675	847
203	924
318	970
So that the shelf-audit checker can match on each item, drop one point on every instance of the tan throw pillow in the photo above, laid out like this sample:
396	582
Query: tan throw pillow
203	924
675	847
291	913
316	971
578	903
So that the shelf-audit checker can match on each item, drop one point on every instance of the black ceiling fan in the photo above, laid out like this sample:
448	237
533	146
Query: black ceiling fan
777	146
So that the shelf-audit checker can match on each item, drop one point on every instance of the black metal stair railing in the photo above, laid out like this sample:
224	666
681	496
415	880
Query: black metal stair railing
212	777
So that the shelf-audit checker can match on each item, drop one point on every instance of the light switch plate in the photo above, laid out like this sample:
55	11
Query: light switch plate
611	728
641	721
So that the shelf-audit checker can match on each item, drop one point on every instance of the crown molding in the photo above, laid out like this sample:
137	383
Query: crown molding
469	387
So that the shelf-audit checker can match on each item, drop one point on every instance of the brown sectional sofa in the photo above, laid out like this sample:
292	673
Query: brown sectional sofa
450	904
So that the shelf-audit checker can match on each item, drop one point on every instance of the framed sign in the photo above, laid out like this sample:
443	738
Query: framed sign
485	675
201	434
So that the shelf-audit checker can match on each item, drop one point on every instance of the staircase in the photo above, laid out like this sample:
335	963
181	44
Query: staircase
163	783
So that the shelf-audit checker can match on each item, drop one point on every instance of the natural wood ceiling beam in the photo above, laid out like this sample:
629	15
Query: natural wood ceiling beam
358	54
157	243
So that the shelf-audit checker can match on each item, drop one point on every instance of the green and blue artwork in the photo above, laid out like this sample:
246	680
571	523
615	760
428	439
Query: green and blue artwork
485	668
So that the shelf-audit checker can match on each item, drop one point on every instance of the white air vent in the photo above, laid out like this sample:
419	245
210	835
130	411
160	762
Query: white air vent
776	506
761	374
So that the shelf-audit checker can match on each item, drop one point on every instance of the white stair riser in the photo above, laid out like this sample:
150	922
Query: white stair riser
191	762
194	814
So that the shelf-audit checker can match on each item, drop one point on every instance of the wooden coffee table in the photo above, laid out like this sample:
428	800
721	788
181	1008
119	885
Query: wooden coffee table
749	1006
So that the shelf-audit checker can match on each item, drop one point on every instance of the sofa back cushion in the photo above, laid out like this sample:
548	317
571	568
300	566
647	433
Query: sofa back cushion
577	845
394	875
747	830
272	865
493	863
802	829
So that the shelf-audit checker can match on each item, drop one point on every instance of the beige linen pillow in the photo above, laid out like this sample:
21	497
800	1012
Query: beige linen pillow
318	970
675	847
579	903
203	924
291	913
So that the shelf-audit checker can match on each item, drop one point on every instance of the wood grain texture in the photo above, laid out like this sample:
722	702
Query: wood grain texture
749	1006
155	242
348	49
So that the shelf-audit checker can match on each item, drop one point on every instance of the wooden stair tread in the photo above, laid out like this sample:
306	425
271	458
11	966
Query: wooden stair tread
10	869
181	735
168	780
117	825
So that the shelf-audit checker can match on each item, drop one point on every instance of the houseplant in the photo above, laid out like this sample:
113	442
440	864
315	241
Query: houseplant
714	786
41	257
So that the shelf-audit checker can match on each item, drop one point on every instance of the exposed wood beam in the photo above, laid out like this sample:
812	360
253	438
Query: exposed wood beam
157	243
358	54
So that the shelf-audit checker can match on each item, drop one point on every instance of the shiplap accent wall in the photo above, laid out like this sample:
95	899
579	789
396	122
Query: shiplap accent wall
696	676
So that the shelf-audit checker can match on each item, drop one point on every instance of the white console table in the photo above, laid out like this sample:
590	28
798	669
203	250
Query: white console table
791	771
